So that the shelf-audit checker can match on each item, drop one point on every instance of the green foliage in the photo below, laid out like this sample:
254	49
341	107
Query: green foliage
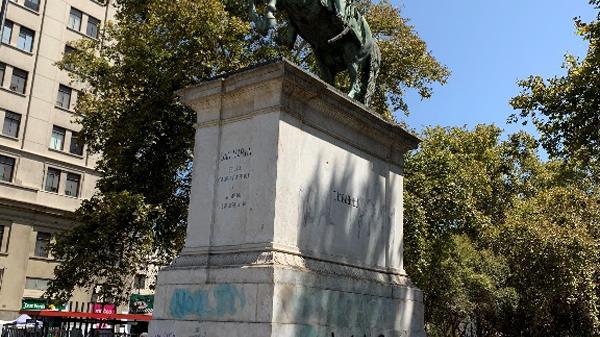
475	300
553	242
502	243
123	238
456	187
565	108
553	236
458	177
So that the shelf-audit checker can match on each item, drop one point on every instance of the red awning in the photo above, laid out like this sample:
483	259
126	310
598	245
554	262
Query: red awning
86	315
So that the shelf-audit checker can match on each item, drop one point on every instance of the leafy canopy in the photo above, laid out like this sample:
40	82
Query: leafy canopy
565	108
552	241
502	243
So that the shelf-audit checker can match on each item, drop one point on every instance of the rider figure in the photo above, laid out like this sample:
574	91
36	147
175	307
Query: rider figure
336	6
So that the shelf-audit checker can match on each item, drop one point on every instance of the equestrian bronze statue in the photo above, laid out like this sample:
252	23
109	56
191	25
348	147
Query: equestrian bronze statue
339	35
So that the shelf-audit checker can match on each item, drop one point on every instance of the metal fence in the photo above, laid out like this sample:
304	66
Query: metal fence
64	330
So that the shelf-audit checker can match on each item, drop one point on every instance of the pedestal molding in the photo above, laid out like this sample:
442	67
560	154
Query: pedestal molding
288	259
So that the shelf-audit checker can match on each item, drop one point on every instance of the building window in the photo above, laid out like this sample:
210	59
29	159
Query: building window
57	140
75	147
32	283
72	184
69	49
7	32
75	19
52	180
63	99
25	41
42	244
3	247
92	27
139	281
2	70
12	121
1	276
32	4
19	80
7	168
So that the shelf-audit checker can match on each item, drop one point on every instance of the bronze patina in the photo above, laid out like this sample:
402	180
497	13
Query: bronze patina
339	35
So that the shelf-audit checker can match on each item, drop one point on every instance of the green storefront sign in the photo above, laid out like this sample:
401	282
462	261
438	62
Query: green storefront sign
39	304
141	304
33	304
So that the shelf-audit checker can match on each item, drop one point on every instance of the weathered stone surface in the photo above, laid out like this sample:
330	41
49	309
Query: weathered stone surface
295	225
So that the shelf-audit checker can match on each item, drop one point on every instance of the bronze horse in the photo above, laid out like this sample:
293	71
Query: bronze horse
339	35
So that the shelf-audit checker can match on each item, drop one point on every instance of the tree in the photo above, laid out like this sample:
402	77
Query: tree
123	228
553	236
502	243
476	298
565	108
456	187
131	116
552	243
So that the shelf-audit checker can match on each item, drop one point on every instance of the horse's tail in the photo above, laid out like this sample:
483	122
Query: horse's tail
370	74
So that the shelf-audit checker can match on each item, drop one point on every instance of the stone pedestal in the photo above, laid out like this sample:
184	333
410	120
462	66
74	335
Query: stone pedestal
295	224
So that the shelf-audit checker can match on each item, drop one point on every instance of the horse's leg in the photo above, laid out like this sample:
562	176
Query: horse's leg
326	73
289	38
355	89
370	73
270	15
354	67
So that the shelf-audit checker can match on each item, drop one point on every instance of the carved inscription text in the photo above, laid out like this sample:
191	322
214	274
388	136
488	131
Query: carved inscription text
347	199
234	173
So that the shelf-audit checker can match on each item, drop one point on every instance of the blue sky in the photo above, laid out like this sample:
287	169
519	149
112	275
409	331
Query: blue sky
488	46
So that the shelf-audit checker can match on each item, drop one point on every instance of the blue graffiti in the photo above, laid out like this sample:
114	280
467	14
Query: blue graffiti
222	300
